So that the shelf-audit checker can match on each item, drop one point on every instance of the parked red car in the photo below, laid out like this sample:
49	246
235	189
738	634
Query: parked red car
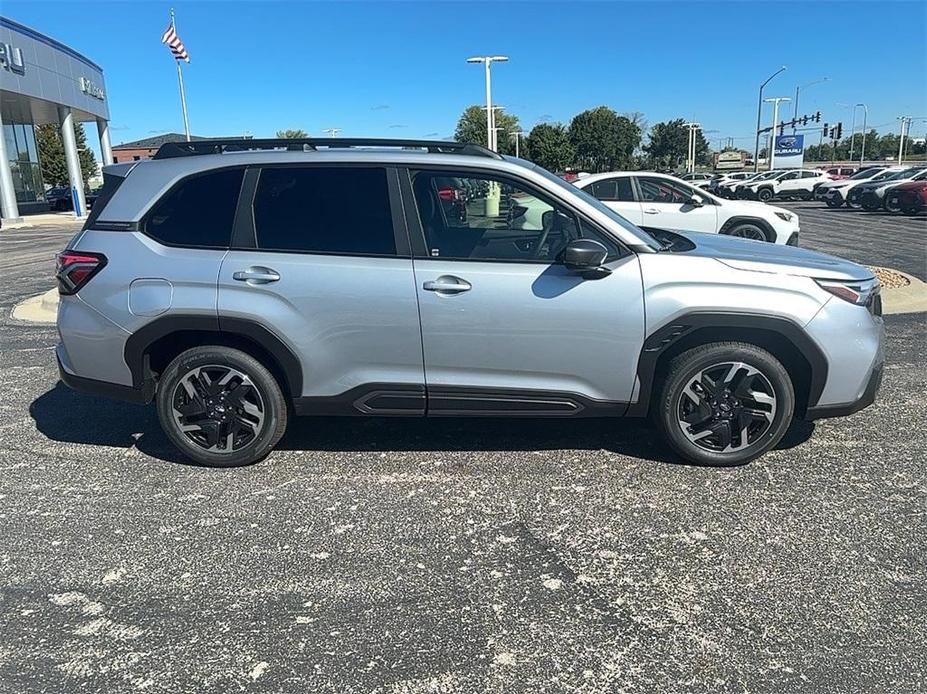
838	173
909	198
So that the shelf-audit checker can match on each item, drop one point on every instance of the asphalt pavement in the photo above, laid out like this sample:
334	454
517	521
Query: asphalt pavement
407	556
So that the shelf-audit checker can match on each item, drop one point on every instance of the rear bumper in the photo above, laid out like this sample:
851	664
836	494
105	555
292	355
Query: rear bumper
868	397
104	389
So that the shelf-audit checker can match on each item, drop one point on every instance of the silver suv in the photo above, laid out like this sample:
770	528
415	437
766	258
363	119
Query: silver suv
239	284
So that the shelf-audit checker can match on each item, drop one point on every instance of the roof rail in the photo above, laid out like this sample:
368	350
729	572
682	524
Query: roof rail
170	150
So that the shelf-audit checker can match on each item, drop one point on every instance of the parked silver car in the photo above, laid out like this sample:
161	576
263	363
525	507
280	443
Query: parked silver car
345	277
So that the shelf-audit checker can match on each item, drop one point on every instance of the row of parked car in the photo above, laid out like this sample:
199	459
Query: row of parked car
891	188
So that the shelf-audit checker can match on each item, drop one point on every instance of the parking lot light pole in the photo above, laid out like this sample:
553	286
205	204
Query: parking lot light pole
862	153
904	121
759	114
775	101
797	90
488	60
518	134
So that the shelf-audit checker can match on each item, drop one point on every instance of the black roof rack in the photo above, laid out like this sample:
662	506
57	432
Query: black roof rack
170	150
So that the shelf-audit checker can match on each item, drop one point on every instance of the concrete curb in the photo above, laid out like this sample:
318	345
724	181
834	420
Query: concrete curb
911	299
38	309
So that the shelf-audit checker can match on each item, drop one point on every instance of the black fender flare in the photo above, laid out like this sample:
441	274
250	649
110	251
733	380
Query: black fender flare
686	326
136	348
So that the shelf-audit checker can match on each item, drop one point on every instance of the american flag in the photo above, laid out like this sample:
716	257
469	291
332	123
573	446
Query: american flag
175	44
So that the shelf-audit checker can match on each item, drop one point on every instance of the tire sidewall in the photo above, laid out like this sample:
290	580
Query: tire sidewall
764	195
695	360
275	411
748	225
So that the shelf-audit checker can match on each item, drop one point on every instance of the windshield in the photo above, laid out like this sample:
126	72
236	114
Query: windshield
865	173
904	173
639	233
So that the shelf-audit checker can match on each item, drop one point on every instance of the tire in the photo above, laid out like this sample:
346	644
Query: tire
764	194
833	203
748	230
241	426
870	204
763	398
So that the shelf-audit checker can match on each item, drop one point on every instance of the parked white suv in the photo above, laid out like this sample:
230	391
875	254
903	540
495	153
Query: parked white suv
788	183
723	185
653	200
834	192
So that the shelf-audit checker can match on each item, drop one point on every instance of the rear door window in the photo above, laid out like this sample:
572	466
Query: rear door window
337	210
613	189
198	212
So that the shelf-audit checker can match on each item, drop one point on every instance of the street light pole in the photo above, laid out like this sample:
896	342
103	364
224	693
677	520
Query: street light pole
517	135
759	113
690	152
488	60
772	142
862	153
904	121
797	90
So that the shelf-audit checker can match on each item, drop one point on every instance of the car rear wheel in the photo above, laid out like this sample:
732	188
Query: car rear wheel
747	230
833	203
871	203
764	195
221	407
725	403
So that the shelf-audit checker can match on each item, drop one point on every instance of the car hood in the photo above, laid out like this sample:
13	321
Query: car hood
762	256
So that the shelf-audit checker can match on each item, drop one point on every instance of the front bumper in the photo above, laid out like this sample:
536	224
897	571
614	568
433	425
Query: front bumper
865	400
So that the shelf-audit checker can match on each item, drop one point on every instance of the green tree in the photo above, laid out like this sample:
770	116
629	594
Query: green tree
604	141
669	145
51	154
549	146
292	134
471	128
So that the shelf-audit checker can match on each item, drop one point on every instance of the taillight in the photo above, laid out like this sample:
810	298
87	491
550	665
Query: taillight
74	269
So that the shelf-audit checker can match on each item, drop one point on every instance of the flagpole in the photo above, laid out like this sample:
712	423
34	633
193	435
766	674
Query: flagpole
183	96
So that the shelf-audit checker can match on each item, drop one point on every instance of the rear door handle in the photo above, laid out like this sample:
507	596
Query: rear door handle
256	275
651	210
447	284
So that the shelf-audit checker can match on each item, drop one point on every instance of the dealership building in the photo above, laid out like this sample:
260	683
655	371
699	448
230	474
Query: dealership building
43	81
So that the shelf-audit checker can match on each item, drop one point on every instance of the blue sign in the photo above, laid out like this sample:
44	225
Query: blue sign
790	151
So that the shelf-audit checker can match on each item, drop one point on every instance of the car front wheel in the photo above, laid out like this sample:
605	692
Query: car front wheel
748	231
725	403
834	203
764	195
221	407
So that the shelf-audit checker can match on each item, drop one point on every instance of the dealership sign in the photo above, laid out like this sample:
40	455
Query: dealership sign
790	151
11	58
91	88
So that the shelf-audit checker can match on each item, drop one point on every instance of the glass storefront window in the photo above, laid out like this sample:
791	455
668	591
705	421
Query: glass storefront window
24	162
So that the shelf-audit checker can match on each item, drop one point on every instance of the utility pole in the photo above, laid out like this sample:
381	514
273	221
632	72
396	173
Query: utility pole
775	101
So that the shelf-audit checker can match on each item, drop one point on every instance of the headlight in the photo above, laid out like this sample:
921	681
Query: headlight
855	291
785	216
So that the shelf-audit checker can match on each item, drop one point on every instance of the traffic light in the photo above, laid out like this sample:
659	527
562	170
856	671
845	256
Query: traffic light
825	130
817	117
804	120
839	131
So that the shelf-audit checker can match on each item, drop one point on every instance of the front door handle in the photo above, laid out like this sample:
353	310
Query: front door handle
651	210
256	275
447	284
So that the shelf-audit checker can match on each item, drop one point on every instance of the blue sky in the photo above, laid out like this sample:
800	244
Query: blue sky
398	69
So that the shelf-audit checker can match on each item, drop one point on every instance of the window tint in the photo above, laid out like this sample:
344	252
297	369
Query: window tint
613	189
809	174
482	218
664	190
324	210
198	212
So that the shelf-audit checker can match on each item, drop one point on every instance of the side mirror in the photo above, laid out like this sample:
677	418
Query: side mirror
585	256
695	201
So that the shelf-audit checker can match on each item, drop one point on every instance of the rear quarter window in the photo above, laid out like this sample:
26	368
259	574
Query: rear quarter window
198	212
